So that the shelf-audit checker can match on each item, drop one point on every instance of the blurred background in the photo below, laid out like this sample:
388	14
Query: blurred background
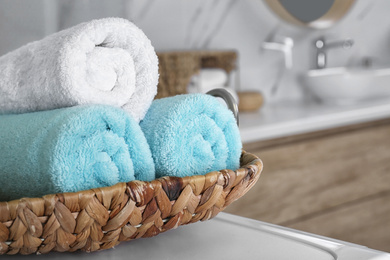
314	94
197	25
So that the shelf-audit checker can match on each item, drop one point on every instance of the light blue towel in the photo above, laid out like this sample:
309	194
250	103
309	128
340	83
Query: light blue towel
191	134
70	149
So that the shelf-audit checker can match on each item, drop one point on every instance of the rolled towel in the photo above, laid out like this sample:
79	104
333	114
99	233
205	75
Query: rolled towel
191	134
210	78
108	61
70	149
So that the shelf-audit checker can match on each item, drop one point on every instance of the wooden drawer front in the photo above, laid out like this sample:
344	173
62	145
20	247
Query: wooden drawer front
335	177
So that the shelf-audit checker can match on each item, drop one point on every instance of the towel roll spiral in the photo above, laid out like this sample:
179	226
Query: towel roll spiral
70	149
191	134
107	61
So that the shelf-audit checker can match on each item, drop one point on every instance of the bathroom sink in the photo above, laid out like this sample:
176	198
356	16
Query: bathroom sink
343	85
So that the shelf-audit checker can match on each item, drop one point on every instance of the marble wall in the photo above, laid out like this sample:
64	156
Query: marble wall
242	25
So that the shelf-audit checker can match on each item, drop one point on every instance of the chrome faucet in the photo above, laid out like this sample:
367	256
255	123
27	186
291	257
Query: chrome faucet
322	46
284	45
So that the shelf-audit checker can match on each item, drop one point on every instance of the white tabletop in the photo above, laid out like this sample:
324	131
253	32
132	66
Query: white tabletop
228	237
291	117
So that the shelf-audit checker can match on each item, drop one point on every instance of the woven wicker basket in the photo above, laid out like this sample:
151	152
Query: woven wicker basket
101	218
177	67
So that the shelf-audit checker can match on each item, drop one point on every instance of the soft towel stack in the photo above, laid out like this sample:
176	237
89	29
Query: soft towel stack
107	62
71	110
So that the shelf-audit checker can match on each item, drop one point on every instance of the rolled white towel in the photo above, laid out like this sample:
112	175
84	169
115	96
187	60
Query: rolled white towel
209	78
107	61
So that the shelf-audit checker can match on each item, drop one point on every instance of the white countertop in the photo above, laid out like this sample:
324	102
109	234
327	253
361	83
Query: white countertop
296	117
228	237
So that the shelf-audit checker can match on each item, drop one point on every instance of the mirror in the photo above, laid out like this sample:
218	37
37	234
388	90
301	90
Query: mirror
315	14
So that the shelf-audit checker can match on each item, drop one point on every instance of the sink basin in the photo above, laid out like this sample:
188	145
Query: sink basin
348	85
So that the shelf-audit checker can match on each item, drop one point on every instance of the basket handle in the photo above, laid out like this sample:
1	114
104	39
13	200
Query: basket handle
228	98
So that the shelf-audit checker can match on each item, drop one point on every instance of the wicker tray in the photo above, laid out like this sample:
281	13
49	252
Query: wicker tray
101	218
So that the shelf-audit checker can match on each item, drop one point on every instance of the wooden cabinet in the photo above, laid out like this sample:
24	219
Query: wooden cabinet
334	183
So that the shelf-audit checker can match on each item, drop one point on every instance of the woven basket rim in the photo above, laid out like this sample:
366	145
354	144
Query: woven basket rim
186	179
100	218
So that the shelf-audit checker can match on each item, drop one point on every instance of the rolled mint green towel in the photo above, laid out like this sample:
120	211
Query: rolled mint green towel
70	149
191	134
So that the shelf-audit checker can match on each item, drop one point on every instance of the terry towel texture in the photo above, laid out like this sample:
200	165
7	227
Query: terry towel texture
108	61
70	149
191	134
